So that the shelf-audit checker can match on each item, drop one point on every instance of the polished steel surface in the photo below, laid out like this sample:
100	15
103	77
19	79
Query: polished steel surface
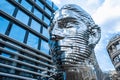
74	35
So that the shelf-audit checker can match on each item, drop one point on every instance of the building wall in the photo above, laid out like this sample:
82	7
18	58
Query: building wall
113	49
24	50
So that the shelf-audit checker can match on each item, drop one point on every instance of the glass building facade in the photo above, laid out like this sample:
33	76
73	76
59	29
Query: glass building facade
24	50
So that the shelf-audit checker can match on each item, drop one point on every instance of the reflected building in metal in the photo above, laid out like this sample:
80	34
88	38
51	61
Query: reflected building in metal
73	36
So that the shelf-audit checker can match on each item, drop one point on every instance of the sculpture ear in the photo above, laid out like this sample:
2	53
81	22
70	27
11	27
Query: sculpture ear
94	35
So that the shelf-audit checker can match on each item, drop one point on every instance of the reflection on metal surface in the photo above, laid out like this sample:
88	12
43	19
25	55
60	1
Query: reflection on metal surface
73	38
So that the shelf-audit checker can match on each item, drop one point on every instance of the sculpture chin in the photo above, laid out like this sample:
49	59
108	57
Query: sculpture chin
70	56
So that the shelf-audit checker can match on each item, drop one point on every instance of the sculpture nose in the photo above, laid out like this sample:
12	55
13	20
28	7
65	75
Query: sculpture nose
57	34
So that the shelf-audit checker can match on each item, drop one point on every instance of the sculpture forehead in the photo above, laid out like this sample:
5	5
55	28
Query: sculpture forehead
72	10
65	13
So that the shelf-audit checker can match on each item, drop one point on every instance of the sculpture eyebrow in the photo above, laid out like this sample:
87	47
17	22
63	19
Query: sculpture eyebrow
63	22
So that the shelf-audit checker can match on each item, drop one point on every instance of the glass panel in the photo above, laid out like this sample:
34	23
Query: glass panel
16	0
22	17
44	47
26	67
26	74
27	61
49	2
4	7
8	78
6	55
113	50
17	33
40	4
5	70
118	46
32	41
37	13
45	32
35	25
48	11
119	56
5	61
46	20
29	55
55	7
3	25
9	49
25	4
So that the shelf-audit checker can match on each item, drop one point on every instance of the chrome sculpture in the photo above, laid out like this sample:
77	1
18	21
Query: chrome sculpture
73	36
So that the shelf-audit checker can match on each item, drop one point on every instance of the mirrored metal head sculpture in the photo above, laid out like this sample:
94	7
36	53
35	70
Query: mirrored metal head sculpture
73	36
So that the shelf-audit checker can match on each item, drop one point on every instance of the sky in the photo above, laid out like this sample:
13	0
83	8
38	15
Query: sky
105	13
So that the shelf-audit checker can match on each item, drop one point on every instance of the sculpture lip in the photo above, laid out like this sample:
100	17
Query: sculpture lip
56	37
68	64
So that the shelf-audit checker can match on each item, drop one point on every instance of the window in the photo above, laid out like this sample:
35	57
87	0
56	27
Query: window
39	4
35	25
46	20
6	55
17	33
10	49
8	78
26	67
21	16
32	41
119	55
113	48
6	61
49	2
38	13
44	47
118	68
26	5
4	69
55	7
45	32
118	46
48	11
26	74
27	61
116	59
3	25
6	7
109	50
29	55
17	0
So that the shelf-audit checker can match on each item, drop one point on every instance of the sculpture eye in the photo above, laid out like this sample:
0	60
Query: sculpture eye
70	25
61	24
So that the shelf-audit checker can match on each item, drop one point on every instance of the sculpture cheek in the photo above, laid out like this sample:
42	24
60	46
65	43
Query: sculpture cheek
73	31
